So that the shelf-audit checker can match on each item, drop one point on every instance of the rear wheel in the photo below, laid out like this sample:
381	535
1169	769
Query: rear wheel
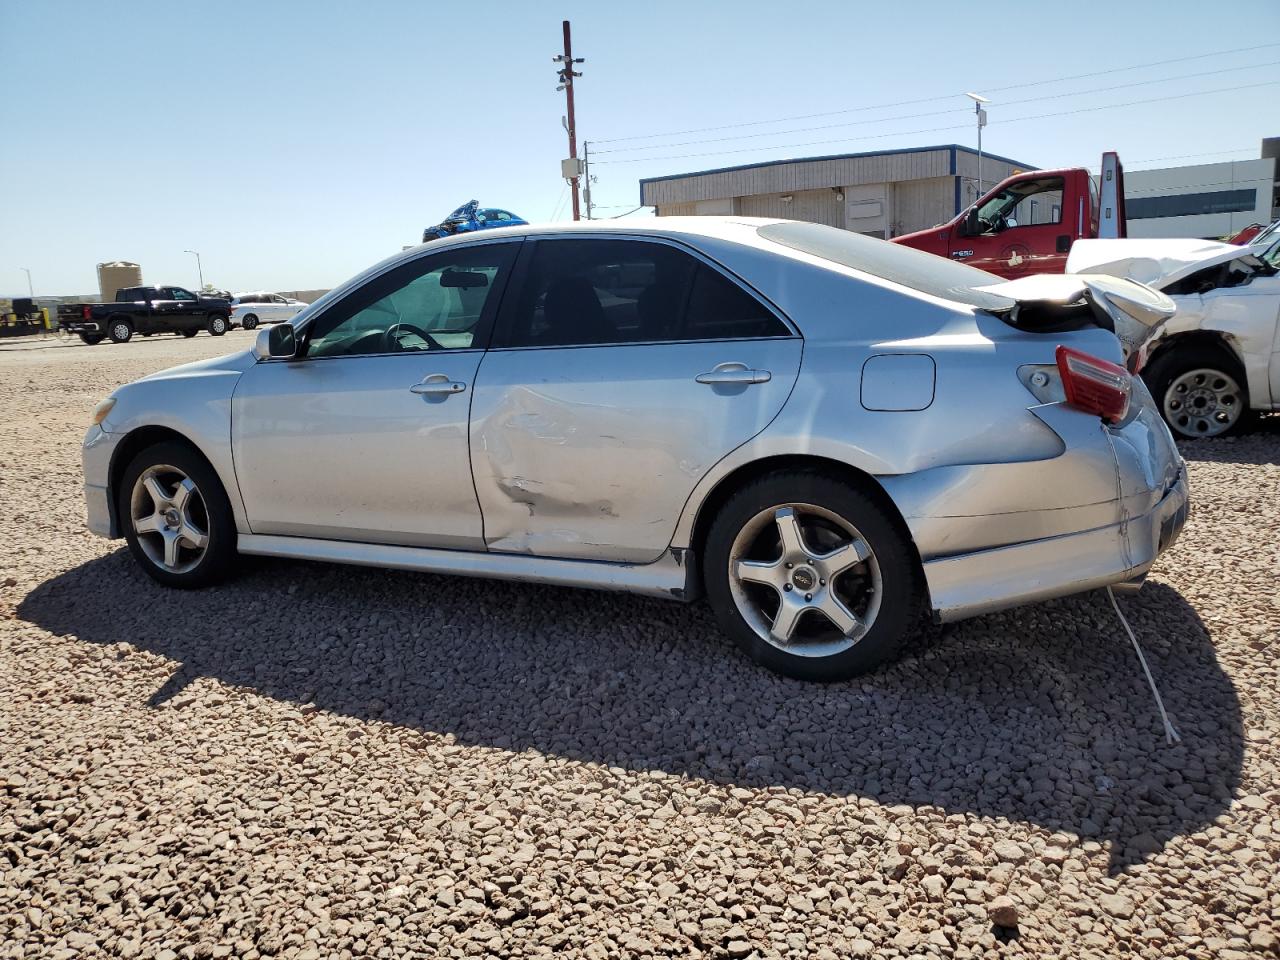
217	324
1201	392
189	333
176	516
249	322
93	339
810	577
120	331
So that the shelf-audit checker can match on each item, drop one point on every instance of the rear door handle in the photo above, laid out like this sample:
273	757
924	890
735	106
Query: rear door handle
437	384
733	373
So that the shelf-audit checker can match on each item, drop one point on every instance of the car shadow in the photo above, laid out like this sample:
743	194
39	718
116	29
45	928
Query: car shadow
1040	715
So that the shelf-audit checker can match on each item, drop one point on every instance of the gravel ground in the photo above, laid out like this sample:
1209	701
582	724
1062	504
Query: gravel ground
319	761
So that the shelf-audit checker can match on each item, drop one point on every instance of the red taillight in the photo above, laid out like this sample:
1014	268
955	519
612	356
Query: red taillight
84	312
1094	385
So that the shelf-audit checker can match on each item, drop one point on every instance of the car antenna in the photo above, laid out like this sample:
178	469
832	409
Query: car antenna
1170	733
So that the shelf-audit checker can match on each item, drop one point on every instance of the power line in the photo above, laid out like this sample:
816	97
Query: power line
962	126
904	103
936	113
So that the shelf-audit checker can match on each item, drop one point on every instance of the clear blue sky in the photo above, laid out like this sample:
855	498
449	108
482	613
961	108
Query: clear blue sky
295	143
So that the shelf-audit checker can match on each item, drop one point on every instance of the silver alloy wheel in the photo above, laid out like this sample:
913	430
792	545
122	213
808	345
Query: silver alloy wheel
120	331
1203	403
218	325
170	517
805	580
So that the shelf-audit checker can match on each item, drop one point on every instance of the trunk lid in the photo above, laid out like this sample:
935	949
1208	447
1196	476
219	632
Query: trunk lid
1055	303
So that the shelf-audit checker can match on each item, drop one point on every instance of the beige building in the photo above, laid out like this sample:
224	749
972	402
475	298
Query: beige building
881	194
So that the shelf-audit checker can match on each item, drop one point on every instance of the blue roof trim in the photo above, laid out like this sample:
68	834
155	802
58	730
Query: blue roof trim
951	147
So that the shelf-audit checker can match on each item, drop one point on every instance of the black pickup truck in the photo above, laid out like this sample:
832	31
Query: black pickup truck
146	310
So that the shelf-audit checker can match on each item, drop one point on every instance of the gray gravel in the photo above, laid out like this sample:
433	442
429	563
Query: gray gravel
321	761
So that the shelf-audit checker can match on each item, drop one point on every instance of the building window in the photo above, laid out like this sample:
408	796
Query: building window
1191	204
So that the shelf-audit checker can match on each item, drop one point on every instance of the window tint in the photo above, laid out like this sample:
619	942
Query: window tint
435	303
179	294
581	292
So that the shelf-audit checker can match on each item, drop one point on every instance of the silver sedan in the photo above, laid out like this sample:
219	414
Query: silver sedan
826	435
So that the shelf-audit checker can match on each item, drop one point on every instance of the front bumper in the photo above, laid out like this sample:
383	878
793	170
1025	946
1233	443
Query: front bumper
989	580
96	458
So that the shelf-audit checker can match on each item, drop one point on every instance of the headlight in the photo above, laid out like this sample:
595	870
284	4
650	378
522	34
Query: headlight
102	409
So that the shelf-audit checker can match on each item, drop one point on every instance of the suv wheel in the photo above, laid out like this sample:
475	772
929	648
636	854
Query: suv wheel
217	324
176	516
120	331
810	578
1201	393
249	322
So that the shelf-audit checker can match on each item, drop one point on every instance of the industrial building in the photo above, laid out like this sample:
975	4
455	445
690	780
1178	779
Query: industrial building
1204	200
891	192
882	194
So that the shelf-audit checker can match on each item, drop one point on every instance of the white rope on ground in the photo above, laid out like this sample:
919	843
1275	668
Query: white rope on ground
1171	735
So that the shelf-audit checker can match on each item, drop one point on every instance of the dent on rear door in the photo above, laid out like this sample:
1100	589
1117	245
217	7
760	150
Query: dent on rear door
593	453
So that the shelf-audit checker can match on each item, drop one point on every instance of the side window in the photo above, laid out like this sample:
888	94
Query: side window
590	292
443	302
177	293
721	310
1024	204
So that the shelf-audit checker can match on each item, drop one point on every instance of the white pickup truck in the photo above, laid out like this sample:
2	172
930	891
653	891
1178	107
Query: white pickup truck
1219	356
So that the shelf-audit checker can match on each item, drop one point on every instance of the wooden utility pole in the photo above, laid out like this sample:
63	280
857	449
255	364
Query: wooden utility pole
566	84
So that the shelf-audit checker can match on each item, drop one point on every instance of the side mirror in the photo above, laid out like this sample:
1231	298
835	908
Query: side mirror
970	226
276	343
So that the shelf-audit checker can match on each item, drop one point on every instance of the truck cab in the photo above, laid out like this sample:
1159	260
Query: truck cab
1027	223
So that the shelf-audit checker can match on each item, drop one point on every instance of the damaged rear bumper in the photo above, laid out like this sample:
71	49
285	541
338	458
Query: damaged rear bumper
1121	553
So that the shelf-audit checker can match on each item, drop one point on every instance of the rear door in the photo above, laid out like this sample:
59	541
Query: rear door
623	369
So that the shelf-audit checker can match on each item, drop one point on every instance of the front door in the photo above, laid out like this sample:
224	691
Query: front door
623	370
364	436
1021	230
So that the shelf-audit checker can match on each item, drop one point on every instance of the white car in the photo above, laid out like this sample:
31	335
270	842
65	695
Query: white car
250	309
1218	358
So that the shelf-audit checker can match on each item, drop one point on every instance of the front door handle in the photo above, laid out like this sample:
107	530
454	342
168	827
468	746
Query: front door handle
437	384
734	373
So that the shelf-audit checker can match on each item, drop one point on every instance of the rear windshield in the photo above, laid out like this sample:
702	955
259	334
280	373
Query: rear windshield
934	275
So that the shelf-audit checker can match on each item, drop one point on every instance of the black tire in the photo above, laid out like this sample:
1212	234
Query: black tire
900	577
120	331
249	322
189	333
220	552
93	339
1164	378
217	324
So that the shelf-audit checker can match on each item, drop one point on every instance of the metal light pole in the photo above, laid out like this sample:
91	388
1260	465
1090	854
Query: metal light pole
31	291
982	122
199	268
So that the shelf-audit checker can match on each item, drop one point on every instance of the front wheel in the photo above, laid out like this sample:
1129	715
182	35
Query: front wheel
189	333
1200	395
217	324
249	322
93	339
120	331
810	577
176	516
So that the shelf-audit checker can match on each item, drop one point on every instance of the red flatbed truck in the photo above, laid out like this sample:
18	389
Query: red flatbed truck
1027	223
